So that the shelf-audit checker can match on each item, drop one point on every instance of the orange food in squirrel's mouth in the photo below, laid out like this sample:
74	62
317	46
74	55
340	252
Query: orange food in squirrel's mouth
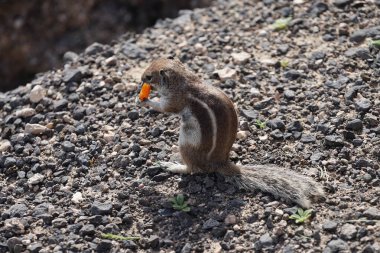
145	91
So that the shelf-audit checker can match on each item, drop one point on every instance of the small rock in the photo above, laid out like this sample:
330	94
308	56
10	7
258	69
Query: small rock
230	219
153	241
289	94
226	73
34	247
5	146
294	126
348	231
241	58
330	226
372	213
77	197
360	35
292	74
133	115
25	112
111	61
337	246
60	105
88	230
362	53
342	3
104	246
59	223
94	49
37	94
70	56
17	210
119	87
68	146
101	208
264	103
187	248
14	225
334	141
363	105
318	8
9	162
242	135
277	134
14	245
210	223
306	138
72	75
266	240
355	125
36	179
276	124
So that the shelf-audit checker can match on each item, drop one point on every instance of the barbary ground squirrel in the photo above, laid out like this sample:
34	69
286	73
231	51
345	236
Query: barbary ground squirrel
209	125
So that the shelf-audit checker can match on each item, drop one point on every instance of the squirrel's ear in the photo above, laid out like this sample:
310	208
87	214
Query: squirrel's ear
162	73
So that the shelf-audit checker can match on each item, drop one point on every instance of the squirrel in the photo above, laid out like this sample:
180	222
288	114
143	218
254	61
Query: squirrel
208	130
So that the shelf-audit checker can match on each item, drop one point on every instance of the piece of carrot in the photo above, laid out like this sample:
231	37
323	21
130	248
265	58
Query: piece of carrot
145	91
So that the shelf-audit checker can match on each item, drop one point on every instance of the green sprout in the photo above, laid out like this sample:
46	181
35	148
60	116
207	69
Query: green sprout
284	64
375	43
260	124
281	23
301	216
119	237
178	203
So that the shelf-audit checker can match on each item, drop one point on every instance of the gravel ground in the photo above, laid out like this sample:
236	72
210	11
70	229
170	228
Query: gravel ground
79	158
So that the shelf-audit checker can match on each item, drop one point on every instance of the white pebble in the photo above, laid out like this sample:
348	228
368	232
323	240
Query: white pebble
36	179
35	129
26	112
226	73
37	94
77	197
5	145
241	57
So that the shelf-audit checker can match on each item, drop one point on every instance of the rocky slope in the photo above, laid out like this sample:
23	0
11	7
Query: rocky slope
80	159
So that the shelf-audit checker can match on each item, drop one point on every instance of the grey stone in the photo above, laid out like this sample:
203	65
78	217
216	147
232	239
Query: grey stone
266	240
348	232
276	124
306	138
362	53
363	105
289	94
72	75
17	210
334	141
210	223
94	48
277	134
355	125
59	223
34	247
292	74
372	213
88	230
342	3
101	208
337	246
330	226
68	146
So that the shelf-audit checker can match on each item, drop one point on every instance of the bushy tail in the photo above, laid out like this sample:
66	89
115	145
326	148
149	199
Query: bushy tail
280	182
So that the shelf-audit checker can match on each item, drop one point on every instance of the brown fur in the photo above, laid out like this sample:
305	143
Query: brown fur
182	92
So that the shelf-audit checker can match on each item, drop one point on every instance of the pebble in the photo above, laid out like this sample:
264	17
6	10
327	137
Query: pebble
77	197
292	74
342	3
289	94
355	125
98	208
276	124
348	232
226	73
36	179
241	57
363	105
5	146
59	222
94	48
337	245
37	94
266	240
25	112
334	141
72	75
210	223
372	213
68	146
230	219
330	226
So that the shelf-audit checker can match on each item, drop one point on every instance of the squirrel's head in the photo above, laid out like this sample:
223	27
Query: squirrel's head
167	74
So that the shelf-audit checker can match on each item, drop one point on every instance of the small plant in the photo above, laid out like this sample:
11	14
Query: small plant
178	203
301	216
281	23
375	43
119	237
284	64
260	124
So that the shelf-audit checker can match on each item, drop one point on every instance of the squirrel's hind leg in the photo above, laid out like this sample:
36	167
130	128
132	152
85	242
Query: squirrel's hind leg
175	167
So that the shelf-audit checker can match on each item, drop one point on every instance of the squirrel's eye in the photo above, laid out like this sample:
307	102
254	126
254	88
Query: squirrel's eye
148	78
